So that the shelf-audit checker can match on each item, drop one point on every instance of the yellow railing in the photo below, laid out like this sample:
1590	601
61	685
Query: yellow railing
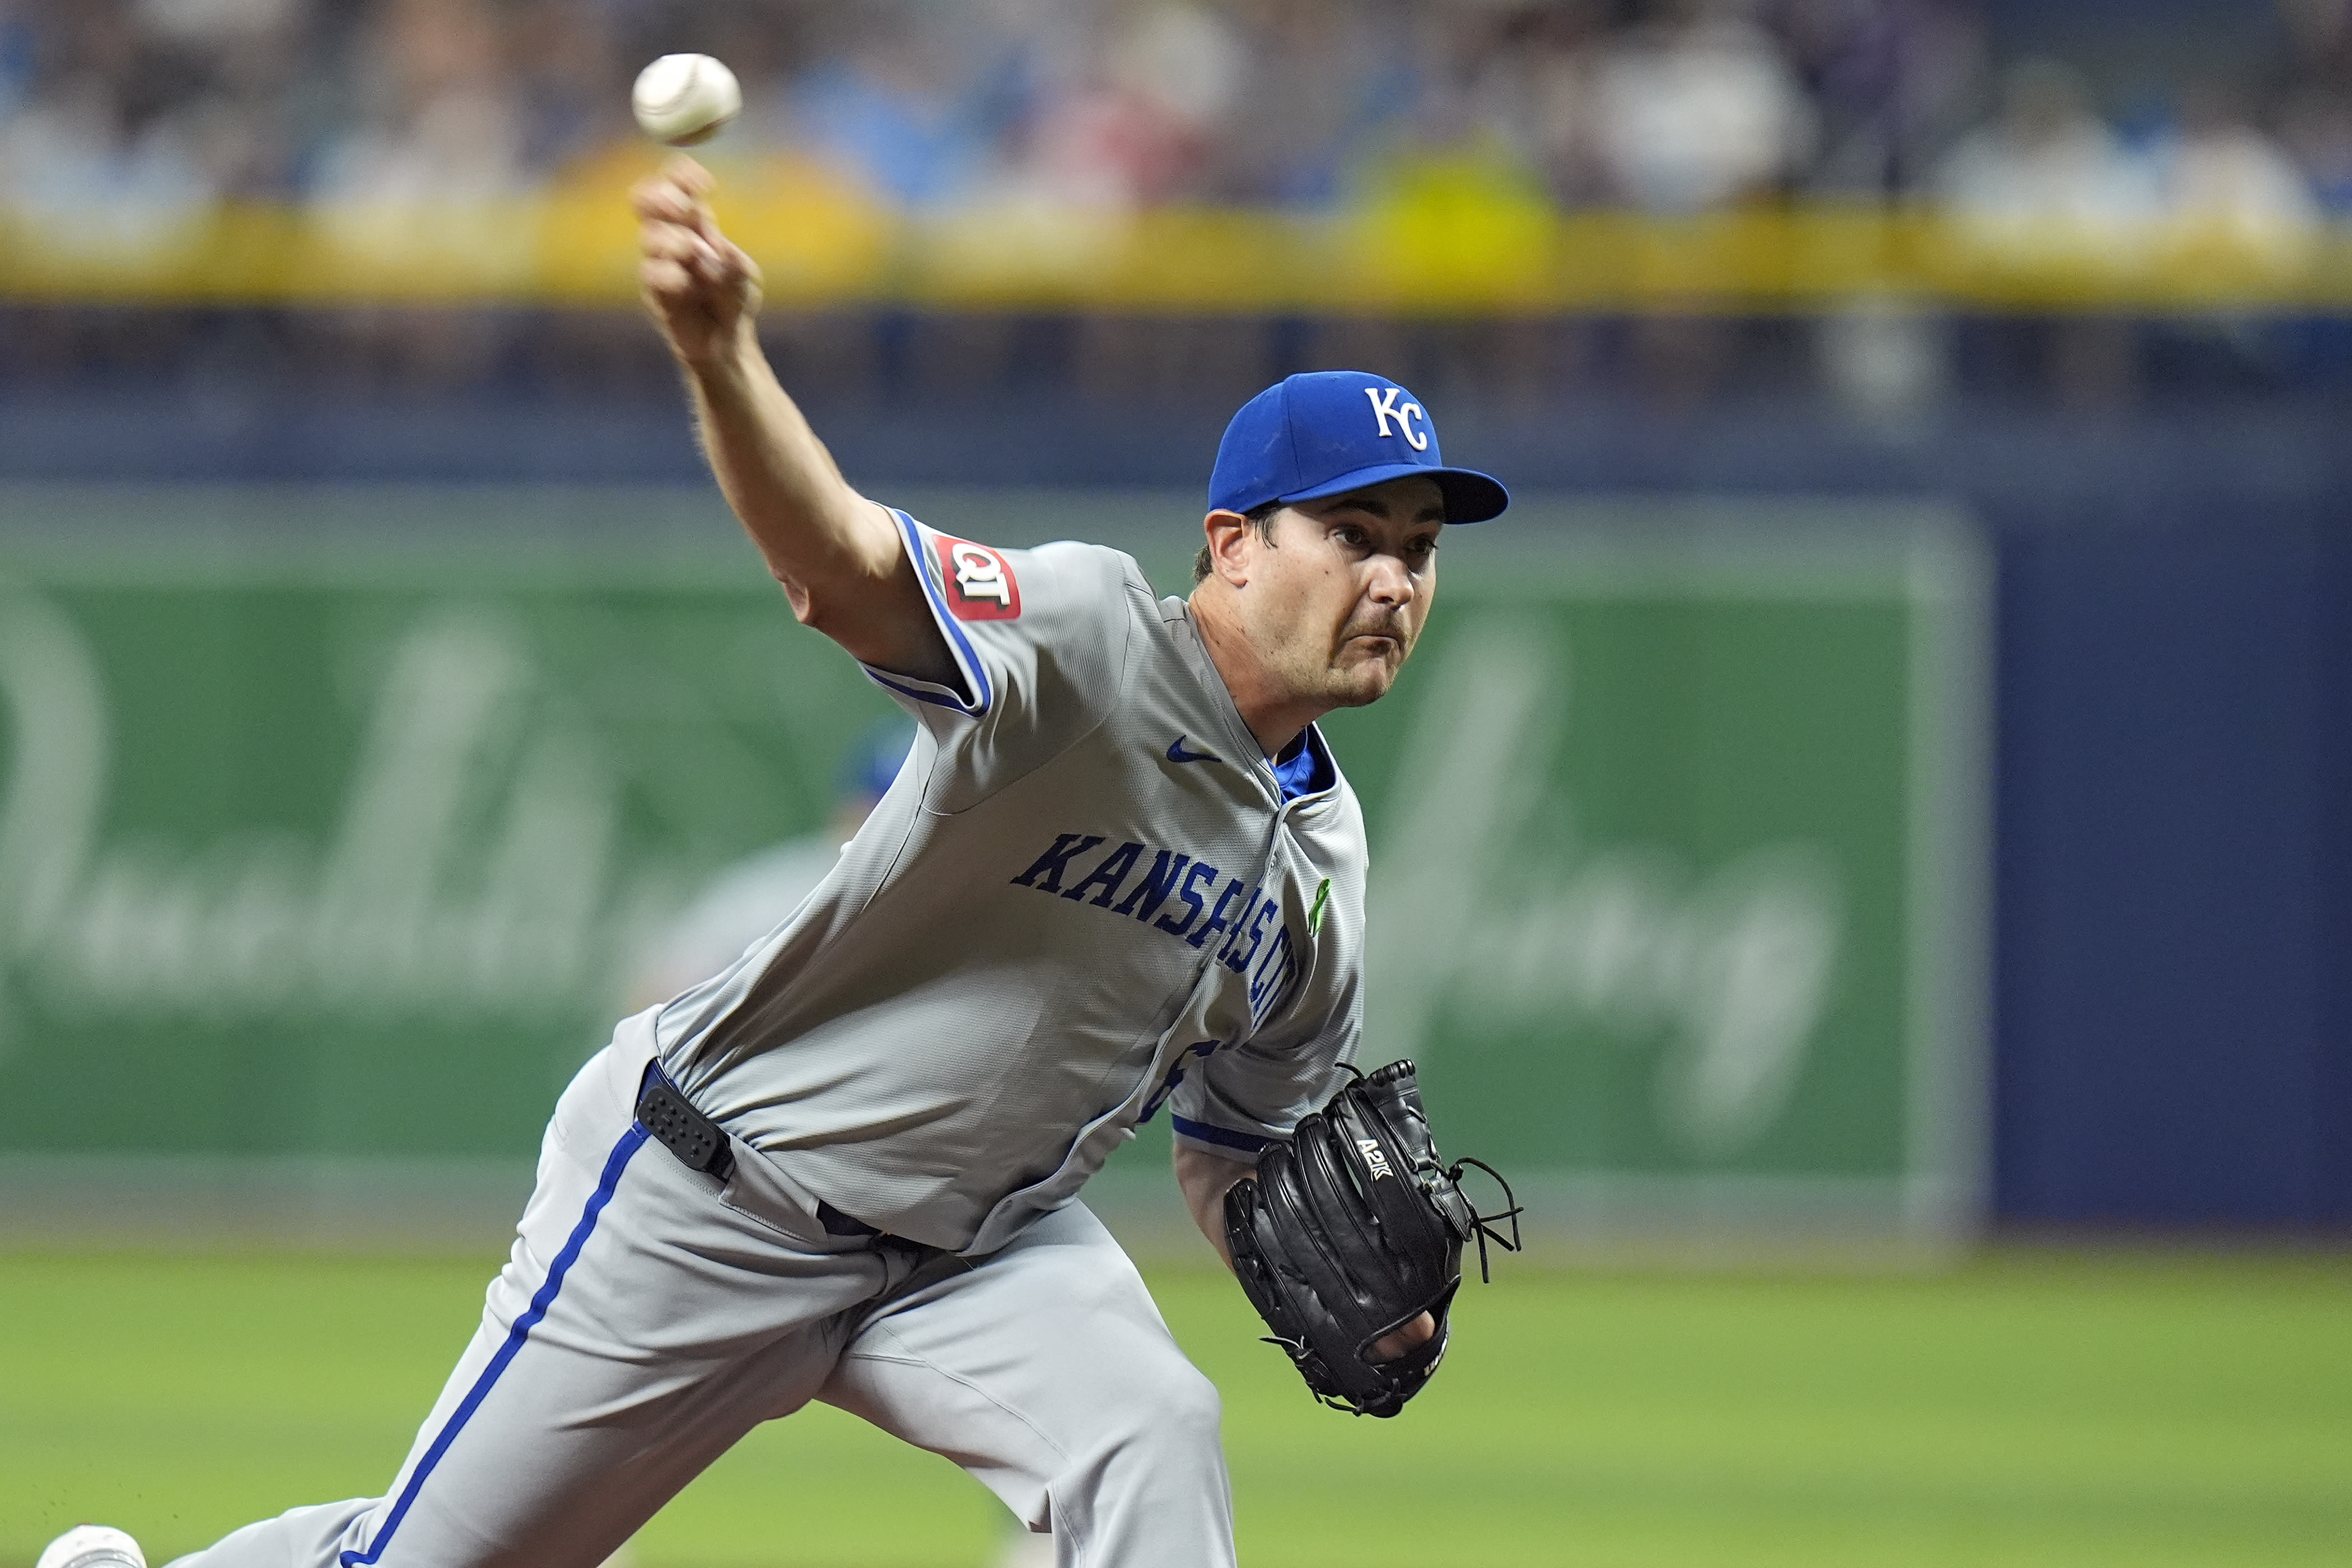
1422	252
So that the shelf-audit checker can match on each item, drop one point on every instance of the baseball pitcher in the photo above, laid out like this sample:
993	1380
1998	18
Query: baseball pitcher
1118	875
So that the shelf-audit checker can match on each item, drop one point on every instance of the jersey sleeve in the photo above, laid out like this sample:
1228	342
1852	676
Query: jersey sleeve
1040	640
1242	1097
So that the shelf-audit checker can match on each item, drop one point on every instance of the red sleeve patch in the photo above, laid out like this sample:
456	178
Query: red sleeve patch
980	583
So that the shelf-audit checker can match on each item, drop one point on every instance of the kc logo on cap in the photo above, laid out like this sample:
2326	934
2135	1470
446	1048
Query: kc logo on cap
1384	408
1329	432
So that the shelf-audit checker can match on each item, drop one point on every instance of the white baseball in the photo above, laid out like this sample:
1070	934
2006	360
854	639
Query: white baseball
683	99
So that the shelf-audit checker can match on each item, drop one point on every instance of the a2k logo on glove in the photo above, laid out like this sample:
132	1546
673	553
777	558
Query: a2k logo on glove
980	581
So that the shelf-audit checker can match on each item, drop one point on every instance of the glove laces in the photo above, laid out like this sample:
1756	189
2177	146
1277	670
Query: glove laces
1485	1222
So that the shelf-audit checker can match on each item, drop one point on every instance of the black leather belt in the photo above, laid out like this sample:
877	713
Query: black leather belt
700	1144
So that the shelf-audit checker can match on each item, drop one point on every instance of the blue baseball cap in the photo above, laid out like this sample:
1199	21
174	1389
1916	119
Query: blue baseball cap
1327	432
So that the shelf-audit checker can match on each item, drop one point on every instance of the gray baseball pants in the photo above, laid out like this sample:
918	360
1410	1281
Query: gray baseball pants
649	1316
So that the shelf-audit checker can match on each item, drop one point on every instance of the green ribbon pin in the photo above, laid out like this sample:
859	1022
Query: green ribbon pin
1315	915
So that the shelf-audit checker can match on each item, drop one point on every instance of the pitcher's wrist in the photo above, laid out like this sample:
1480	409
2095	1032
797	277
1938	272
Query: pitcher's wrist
731	360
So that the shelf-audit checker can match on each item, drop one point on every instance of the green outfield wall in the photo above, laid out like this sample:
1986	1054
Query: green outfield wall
339	826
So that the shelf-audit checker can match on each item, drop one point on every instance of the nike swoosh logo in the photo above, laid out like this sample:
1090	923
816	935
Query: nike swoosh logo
1177	753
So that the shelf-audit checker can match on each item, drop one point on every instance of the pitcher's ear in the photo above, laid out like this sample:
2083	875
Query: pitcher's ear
1228	552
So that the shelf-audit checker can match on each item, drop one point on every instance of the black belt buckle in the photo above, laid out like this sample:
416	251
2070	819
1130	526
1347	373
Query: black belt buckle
837	1222
685	1131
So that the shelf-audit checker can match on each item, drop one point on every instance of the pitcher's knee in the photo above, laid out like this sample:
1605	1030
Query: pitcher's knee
1151	1489
1196	1405
1175	1426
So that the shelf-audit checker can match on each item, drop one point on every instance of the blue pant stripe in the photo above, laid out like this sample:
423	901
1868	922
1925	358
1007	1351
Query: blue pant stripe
630	1142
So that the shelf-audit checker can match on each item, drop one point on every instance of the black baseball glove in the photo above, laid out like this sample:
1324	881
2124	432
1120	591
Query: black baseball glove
1352	1229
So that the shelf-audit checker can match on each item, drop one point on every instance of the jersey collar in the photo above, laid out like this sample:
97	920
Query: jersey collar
1177	614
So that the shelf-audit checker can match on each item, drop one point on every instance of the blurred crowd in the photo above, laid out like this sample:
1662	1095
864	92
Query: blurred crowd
1659	105
125	125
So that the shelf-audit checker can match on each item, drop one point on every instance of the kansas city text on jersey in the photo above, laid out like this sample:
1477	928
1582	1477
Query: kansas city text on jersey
1172	895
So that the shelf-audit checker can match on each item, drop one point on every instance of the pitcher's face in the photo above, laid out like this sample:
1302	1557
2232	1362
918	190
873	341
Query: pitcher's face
1335	603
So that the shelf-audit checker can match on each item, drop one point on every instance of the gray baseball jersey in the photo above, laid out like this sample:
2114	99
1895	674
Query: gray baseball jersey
1085	897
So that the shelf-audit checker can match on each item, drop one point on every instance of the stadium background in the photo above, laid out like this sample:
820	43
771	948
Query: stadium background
1883	803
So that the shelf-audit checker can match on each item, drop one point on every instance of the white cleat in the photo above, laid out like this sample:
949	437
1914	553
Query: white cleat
92	1546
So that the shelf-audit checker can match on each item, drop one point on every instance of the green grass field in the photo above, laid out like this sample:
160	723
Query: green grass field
2134	1410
